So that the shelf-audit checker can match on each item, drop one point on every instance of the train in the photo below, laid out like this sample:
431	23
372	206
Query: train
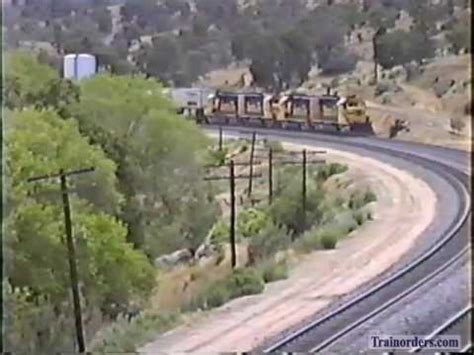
283	110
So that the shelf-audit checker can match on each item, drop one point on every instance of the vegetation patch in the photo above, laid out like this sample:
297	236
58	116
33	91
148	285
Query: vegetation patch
272	270
124	336
242	282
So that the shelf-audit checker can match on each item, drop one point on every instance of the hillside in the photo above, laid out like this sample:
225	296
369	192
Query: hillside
271	44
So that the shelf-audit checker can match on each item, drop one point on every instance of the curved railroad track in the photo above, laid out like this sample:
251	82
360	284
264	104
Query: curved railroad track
446	244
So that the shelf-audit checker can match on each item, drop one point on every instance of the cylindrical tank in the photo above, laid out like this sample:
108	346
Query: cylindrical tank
69	66
79	66
86	66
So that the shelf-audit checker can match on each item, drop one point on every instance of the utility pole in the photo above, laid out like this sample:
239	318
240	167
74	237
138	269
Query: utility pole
220	138
252	152
70	249
270	176
232	177
303	190
303	163
232	215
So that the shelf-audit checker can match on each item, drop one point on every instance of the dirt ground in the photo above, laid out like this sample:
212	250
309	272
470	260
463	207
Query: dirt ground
404	208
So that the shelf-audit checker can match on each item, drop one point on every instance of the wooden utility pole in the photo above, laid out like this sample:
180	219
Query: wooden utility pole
270	176
232	215
220	138
81	344
304	163
252	152
232	177
303	190
72	265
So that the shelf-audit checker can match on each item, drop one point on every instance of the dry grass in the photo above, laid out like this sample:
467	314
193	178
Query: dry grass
177	287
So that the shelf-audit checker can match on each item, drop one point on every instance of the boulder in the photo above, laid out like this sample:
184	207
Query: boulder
182	256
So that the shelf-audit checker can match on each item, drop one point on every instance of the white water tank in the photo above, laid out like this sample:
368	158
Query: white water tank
86	66
69	67
79	66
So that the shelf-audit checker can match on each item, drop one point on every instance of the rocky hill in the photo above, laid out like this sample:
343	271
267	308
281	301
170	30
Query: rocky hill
270	44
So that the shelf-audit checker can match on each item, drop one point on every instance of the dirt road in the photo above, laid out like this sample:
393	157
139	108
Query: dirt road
405	207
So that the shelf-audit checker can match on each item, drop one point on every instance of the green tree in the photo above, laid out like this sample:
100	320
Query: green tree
110	270
26	80
158	155
460	36
400	47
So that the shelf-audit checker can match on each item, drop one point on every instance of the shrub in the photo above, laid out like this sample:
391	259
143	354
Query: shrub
325	237
359	217
326	171
275	146
369	197
217	295
245	281
273	271
217	157
358	200
337	63
123	336
381	88
269	241
457	124
400	47
251	222
287	210
242	282
328	241
219	233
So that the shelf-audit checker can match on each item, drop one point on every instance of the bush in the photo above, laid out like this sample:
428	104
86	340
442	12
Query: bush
275	146
217	157
358	200
326	171
217	295
127	337
219	233
369	197
268	242
287	210
329	241
251	222
339	62
325	237
381	88
272	271
400	47
457	124
359	217
242	282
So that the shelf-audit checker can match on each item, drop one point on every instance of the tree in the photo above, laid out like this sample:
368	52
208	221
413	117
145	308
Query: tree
460	37
26	80
161	59
287	207
400	47
158	156
41	142
296	57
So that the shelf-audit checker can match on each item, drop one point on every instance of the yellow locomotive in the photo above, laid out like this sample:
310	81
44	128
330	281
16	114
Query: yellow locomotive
286	110
289	111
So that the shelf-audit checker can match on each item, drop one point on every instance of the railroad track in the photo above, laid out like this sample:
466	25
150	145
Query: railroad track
460	319
447	247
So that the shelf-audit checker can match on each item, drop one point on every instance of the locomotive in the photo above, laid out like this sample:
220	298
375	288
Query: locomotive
328	112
